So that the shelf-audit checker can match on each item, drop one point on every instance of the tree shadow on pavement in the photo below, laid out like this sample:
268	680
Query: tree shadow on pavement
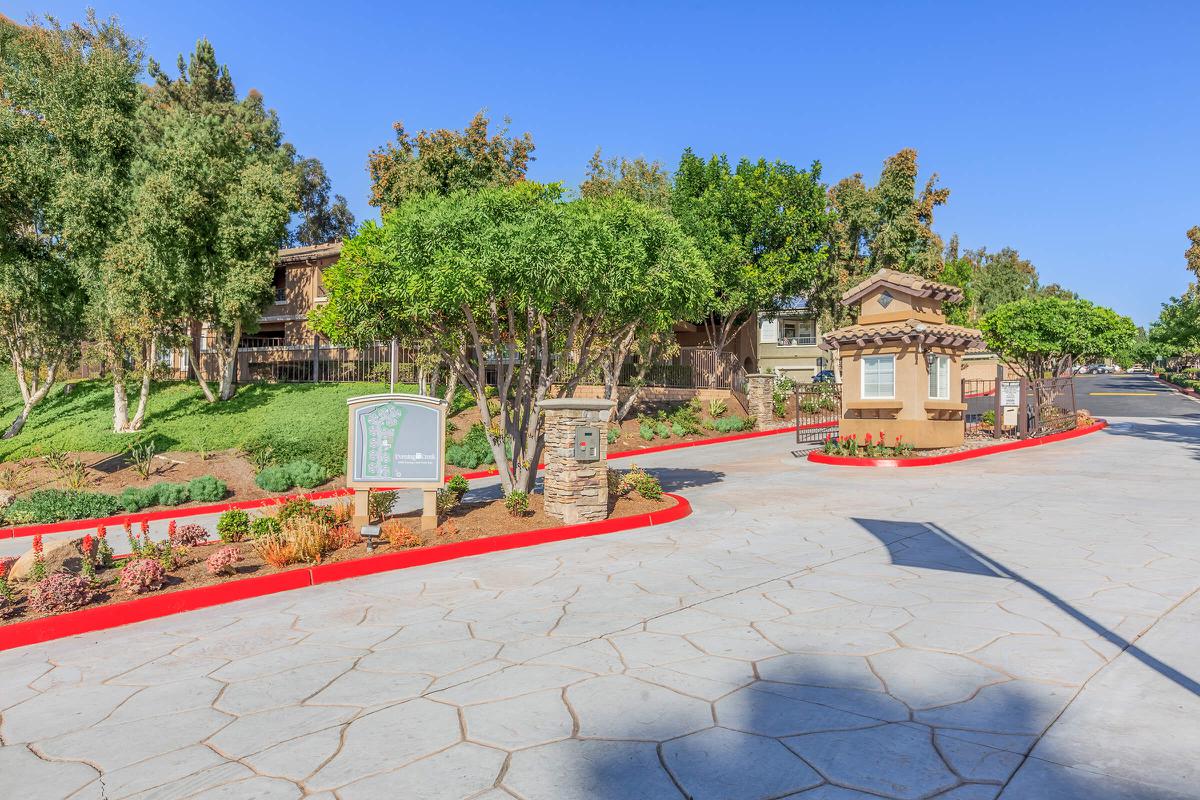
1182	434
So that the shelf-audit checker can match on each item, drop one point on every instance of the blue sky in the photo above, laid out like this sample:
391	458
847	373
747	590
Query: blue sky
1065	130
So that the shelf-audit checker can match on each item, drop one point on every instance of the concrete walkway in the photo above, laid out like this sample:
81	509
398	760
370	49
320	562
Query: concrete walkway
1022	626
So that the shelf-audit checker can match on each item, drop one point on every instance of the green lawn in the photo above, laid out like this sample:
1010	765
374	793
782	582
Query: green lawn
298	420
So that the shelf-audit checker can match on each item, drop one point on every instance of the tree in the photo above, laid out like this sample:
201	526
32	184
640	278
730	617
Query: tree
1192	254
512	280
1176	332
1000	277
68	134
645	181
887	225
443	161
320	220
215	192
761	230
1040	336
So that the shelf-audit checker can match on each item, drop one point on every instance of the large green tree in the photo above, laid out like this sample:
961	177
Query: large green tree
761	230
515	281
443	161
887	225
68	138
636	178
1042	336
216	188
321	218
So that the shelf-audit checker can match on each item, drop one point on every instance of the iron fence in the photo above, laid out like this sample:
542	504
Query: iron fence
818	407
979	417
1042	407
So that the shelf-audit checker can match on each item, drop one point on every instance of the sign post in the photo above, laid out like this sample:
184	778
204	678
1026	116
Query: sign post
396	441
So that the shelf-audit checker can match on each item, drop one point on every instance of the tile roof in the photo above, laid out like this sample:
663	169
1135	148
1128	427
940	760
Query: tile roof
308	252
907	281
909	328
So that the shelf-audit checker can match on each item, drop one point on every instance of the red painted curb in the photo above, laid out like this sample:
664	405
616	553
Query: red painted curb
818	457
90	620
183	512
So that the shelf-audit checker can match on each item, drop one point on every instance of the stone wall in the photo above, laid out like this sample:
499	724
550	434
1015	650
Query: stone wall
575	491
759	391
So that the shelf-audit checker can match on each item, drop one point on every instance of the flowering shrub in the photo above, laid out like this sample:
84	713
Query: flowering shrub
189	535
88	548
104	551
640	481
870	448
344	535
6	563
142	575
59	592
39	562
222	561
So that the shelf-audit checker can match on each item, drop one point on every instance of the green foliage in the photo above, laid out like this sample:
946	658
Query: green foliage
141	457
988	419
306	474
443	161
732	424
1040	336
517	503
871	448
54	505
207	489
717	408
662	430
274	479
233	525
379	504
445	501
887	225
320	220
472	450
458	485
554	274
302	508
640	481
644	181
264	526
646	431
614	433
760	228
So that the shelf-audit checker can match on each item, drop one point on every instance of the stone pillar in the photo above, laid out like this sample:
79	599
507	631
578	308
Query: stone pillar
575	491
760	388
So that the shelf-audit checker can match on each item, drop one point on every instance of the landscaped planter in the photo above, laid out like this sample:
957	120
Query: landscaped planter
151	606
183	512
818	457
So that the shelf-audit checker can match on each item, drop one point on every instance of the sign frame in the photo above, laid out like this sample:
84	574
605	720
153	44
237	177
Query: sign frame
1010	390
362	487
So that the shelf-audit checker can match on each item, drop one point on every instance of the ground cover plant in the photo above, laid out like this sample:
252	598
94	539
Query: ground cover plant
870	447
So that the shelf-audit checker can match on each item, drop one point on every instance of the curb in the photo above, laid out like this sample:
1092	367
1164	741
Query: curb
183	512
818	457
90	620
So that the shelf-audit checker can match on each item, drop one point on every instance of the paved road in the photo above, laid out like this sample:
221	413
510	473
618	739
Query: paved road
1132	396
1022	626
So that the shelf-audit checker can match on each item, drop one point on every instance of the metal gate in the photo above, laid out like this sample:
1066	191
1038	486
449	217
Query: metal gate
818	409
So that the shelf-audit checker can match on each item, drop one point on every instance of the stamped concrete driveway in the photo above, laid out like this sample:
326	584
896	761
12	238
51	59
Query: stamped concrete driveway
1024	626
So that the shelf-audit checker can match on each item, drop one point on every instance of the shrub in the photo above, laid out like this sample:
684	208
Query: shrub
677	429
142	575
274	479
685	418
458	486
190	535
59	592
642	482
446	501
380	504
732	424
303	508
207	489
275	550
56	505
517	503
399	535
662	431
172	494
306	474
614	433
233	525
472	451
646	431
616	486
310	537
716	407
264	526
342	536
222	561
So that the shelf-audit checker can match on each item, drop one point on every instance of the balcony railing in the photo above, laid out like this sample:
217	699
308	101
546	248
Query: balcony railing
280	294
797	341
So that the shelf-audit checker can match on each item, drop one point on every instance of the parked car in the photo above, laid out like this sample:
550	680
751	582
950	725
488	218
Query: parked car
1139	369
824	376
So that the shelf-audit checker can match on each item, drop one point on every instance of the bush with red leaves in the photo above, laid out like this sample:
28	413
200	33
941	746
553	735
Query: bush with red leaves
142	575
58	592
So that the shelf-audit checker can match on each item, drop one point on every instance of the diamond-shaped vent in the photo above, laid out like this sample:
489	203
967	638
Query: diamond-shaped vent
885	299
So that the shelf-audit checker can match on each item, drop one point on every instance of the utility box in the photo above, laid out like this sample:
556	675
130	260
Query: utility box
587	443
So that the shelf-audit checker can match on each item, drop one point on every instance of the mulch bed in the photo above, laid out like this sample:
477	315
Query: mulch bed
465	522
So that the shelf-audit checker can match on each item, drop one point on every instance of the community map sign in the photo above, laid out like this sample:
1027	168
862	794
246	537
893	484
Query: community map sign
396	440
